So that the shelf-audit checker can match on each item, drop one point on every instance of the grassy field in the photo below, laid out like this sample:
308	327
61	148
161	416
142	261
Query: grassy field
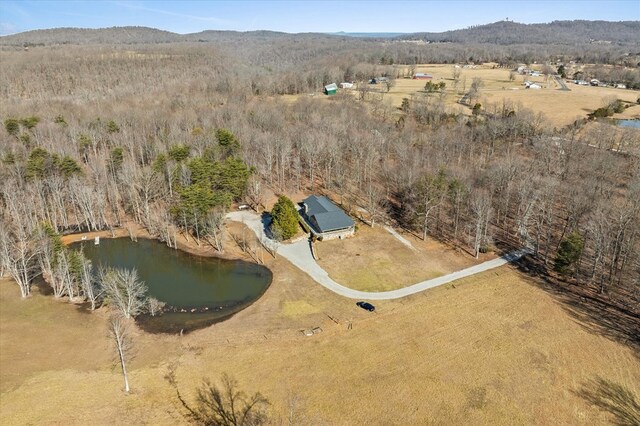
559	107
374	260
491	349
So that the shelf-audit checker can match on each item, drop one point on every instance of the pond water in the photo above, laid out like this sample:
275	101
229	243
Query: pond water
629	123
198	291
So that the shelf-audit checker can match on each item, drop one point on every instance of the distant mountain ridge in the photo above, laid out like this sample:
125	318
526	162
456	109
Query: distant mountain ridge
500	33
368	35
113	35
556	32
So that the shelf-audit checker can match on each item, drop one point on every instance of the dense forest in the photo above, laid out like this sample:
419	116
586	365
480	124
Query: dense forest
171	135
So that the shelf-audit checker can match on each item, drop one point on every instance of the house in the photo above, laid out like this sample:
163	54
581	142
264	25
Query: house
422	76
326	220
346	85
331	89
532	85
535	74
377	80
594	82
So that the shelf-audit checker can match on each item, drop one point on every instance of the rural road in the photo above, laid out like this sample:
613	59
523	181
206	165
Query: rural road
560	81
299	254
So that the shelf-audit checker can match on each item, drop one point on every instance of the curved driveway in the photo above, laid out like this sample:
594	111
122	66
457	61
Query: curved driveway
299	253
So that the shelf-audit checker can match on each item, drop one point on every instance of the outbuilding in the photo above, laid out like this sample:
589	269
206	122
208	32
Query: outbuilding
331	89
422	76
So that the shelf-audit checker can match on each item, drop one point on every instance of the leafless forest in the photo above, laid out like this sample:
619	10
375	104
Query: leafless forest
169	134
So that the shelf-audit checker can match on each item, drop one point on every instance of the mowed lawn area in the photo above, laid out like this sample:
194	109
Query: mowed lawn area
493	349
374	260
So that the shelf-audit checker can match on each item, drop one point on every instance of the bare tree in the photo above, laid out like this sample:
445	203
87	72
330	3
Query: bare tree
119	333
481	208
124	291
474	91
429	192
225	405
254	192
89	286
20	258
375	200
214	228
155	306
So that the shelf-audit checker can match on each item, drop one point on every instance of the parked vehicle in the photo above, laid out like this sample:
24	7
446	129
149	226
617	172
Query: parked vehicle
366	306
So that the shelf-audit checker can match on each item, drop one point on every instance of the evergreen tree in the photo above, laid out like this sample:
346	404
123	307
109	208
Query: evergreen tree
39	164
228	142
568	254
116	158
69	167
12	126
285	218
178	153
30	122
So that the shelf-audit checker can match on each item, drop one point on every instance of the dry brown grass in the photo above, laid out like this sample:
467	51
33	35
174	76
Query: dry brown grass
493	349
374	260
559	107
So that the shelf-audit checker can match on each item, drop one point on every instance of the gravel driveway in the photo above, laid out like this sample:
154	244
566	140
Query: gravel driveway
299	254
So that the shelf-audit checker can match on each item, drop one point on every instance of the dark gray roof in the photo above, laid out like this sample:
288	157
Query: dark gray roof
327	215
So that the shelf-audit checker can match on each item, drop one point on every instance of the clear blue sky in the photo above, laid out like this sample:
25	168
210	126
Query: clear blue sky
301	16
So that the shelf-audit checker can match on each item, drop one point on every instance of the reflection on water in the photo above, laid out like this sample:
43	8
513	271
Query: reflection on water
198	291
629	123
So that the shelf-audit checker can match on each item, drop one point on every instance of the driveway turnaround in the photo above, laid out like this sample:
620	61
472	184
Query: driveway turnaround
299	253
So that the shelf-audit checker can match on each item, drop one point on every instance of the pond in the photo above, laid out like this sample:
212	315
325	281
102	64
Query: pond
199	291
629	123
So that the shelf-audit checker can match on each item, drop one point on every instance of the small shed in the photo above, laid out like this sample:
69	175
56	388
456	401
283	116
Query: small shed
331	89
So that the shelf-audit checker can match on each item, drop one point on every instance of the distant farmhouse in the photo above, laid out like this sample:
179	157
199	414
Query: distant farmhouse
331	89
377	80
326	220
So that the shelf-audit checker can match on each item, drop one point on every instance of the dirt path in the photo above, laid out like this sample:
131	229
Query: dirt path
399	237
299	254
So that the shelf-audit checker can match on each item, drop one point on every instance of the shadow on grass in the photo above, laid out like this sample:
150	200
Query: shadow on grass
612	397
591	310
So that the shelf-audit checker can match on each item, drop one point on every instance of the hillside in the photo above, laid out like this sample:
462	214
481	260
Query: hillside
556	32
498	33
113	35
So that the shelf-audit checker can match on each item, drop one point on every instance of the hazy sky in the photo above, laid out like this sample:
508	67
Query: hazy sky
301	16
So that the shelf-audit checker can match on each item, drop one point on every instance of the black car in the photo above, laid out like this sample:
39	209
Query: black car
368	306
